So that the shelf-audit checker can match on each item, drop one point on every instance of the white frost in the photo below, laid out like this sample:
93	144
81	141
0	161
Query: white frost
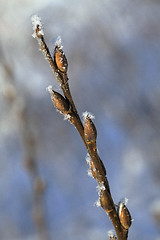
36	22
87	114
67	116
100	187
89	173
97	203
88	159
111	234
124	201
49	88
58	42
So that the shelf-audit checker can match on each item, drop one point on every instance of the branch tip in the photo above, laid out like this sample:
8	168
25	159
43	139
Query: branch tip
58	42
37	27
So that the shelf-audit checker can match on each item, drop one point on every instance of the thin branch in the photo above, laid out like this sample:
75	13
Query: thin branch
29	144
88	132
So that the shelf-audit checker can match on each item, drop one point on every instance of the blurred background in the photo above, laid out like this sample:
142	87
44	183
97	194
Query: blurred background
113	50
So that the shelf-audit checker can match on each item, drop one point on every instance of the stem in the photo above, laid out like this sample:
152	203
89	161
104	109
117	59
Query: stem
59	67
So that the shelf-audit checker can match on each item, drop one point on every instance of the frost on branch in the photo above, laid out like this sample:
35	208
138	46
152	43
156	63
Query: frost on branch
100	188
97	203
58	42
49	89
111	235
37	26
88	159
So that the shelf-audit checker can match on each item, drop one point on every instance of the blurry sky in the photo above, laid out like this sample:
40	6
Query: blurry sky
113	50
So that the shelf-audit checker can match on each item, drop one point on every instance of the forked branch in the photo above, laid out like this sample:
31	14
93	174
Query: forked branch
121	218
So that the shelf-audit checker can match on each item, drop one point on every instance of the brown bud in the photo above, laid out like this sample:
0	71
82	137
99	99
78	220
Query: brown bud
124	215
60	59
105	200
90	132
60	102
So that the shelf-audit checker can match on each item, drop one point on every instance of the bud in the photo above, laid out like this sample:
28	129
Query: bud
90	132
60	59
60	102
105	200
124	215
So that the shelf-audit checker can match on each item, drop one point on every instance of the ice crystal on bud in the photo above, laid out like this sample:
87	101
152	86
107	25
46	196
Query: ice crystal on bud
67	116
37	25
124	201
87	114
89	173
111	234
49	88
100	187
97	203
58	42
88	159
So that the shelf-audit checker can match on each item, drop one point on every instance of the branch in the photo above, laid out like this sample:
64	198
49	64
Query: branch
121	218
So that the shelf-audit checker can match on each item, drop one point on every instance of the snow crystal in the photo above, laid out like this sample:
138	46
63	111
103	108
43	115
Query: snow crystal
89	173
124	201
67	116
97	203
87	114
36	22
111	234
100	187
49	88
58	42
88	159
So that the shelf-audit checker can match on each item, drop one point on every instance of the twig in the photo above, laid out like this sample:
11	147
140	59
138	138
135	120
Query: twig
88	132
30	163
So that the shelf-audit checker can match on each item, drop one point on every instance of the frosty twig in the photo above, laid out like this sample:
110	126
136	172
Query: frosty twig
121	219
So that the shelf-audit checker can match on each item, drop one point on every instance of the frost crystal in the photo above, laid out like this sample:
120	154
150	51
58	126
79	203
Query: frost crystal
89	173
58	42
67	116
49	88
100	187
111	234
36	22
124	201
88	159
97	203
87	114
